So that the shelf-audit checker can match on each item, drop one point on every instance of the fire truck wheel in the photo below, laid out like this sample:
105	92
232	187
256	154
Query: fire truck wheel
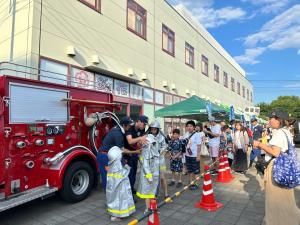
78	182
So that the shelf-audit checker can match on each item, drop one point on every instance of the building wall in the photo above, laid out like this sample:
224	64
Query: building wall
16	39
72	23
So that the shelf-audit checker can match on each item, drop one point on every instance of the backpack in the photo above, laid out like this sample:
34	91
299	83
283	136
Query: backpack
286	169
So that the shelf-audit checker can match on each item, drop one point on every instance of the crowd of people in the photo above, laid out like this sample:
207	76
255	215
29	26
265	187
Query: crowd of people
125	148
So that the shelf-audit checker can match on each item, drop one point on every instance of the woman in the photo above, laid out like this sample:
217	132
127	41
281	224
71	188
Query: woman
280	207
240	146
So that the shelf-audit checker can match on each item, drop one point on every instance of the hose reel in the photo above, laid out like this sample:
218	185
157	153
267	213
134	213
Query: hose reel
97	120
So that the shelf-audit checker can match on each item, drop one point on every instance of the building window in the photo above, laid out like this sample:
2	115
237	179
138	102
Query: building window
216	74
225	79
168	40
247	94
136	18
53	72
189	55
204	65
239	88
94	4
243	91
251	97
232	84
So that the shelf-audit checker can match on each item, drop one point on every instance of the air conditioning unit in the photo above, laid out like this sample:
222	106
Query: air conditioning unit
173	86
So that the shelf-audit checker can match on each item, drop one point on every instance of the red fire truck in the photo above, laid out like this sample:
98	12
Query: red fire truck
45	146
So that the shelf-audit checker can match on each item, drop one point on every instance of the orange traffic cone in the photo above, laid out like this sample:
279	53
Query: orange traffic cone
222	176
227	168
208	198
153	218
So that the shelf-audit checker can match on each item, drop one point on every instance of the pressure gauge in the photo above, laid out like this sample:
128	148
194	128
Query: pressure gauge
55	130
49	130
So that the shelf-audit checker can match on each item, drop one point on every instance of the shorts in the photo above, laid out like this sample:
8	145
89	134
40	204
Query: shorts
192	165
176	166
214	151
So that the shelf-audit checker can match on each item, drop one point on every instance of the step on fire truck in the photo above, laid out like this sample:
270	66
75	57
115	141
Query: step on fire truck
45	146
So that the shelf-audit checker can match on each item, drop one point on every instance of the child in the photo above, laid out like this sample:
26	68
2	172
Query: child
192	152
229	149
229	145
162	149
176	151
119	198
149	176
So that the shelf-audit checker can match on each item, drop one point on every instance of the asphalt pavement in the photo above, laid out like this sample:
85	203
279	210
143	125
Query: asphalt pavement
242	199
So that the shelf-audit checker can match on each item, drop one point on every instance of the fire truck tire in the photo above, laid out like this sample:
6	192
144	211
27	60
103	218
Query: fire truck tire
78	182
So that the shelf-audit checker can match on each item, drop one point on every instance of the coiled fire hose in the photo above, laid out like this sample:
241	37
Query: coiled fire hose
169	199
94	121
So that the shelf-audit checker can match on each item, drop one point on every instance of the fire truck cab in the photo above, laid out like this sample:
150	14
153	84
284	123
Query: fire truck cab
45	146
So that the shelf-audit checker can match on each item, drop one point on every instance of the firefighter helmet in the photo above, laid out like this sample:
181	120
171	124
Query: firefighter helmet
154	124
114	153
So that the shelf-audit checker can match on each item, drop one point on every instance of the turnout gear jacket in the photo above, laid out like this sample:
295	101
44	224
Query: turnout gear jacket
118	191
149	176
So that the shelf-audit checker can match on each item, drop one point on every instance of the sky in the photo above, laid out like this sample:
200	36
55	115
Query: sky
263	36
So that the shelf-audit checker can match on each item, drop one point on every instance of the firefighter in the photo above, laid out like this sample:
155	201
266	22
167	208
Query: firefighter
135	137
115	137
119	199
162	148
149	176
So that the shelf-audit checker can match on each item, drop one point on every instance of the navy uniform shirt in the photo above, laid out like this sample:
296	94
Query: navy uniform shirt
134	133
257	132
115	137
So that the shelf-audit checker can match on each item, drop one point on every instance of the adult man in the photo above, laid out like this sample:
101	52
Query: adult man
257	135
214	142
135	137
115	137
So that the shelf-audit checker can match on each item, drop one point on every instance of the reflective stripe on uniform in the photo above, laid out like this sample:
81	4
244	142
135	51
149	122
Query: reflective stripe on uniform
145	196
125	211
115	175
149	175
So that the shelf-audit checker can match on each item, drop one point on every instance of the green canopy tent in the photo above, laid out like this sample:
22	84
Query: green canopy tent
193	107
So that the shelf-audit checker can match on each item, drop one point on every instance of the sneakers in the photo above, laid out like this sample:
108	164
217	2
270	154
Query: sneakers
172	183
115	219
179	184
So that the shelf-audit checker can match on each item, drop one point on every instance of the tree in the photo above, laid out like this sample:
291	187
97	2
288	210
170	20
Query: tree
291	104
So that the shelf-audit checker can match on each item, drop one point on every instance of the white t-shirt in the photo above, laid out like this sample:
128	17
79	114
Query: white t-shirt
195	140
215	142
279	139
237	138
